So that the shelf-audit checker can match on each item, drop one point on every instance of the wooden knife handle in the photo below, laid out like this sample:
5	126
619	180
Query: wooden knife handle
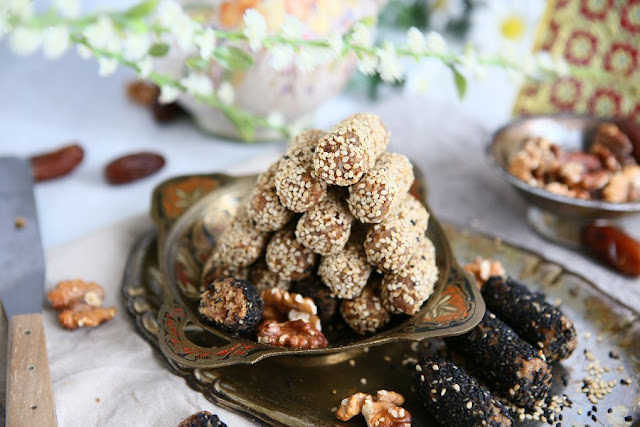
29	392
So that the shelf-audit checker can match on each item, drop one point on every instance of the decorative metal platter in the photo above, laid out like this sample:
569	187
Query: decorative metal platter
302	390
188	236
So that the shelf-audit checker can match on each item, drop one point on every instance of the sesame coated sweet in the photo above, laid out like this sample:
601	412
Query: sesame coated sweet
406	290
390	244
214	268
346	273
365	313
289	259
263	278
382	188
233	305
240	244
346	153
264	207
326	228
297	185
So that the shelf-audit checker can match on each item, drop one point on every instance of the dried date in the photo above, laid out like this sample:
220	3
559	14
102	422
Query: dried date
56	164
143	93
611	245
133	167
632	130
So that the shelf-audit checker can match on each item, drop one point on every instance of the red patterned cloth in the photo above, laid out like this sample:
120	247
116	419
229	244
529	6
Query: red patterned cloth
601	41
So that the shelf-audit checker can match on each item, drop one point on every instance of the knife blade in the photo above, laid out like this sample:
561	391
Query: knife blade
29	390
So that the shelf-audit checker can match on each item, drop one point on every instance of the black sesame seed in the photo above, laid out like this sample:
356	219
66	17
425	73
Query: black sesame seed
594	408
614	355
624	382
609	411
593	417
628	418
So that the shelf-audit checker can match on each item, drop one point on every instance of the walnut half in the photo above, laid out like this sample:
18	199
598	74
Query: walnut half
383	410
293	333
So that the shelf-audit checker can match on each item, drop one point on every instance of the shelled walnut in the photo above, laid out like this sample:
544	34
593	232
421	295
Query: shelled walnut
483	268
292	333
80	304
382	410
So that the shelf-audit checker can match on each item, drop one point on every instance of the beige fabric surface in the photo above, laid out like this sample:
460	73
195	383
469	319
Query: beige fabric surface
113	364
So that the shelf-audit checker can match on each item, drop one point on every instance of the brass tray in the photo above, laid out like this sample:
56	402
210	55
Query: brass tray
187	237
301	391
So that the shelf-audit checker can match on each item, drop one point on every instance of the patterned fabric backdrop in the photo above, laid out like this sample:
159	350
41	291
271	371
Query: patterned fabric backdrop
601	35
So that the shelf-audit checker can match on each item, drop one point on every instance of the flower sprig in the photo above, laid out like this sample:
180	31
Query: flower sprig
138	36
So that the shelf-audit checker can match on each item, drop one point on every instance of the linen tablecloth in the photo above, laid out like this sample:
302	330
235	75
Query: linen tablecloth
110	376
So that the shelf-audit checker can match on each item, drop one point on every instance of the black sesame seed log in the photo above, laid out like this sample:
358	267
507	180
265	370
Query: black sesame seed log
510	365
539	323
454	398
202	419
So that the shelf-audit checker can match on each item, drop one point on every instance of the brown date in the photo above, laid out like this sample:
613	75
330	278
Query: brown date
56	164
164	113
143	93
632	129
614	247
133	167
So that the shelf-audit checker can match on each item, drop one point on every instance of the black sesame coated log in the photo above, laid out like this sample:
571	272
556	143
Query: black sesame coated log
231	304
539	323
510	366
202	419
454	398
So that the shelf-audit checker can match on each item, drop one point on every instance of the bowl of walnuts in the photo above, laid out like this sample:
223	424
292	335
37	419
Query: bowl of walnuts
332	248
573	170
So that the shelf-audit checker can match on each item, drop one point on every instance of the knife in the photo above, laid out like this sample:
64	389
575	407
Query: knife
29	392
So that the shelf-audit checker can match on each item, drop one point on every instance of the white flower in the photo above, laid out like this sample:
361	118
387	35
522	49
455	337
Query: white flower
84	52
336	44
256	28
308	58
441	12
20	8
389	66
168	94
136	46
25	41
471	65
145	67
55	42
107	66
167	11
367	64
226	94
275	120
102	35
292	28
281	57
361	35
184	30
68	8
206	42
496	23
436	43
197	84
416	41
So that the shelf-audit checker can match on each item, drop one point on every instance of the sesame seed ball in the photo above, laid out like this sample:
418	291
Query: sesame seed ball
307	140
326	228
231	304
346	153
289	259
297	185
214	269
263	278
240	244
382	188
264	207
365	313
406	290
390	244
346	273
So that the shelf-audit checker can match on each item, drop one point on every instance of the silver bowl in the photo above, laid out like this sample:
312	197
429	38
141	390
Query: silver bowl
559	218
